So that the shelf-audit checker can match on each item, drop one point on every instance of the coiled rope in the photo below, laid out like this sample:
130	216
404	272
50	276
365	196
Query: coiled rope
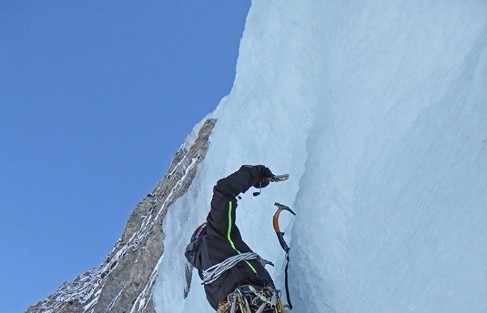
215	271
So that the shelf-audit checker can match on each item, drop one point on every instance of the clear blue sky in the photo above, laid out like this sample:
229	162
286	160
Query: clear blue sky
95	99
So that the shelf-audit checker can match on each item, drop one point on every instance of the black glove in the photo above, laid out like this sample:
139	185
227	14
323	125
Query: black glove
263	174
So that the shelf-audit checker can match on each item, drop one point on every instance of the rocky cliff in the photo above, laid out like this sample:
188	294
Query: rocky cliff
123	283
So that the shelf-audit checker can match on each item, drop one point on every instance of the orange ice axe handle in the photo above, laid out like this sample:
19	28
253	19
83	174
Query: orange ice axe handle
275	223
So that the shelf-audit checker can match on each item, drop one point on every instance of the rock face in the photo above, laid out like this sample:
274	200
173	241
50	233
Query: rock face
124	282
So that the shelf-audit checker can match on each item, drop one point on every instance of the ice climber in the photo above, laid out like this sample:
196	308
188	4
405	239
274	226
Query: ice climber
233	276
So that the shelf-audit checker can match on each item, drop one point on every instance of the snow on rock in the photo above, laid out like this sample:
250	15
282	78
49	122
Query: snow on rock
123	283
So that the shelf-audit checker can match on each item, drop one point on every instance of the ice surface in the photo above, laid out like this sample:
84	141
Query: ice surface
378	112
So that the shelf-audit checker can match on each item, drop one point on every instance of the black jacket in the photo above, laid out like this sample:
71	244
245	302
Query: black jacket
223	239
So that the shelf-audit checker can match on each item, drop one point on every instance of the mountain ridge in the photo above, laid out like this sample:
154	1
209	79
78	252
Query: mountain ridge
124	281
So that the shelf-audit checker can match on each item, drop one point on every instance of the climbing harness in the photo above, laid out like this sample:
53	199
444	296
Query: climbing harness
247	299
282	242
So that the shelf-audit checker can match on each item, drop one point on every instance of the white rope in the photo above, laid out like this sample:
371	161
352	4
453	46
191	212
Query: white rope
214	272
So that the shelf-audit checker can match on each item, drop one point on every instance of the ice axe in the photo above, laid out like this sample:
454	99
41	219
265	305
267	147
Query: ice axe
275	223
282	242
